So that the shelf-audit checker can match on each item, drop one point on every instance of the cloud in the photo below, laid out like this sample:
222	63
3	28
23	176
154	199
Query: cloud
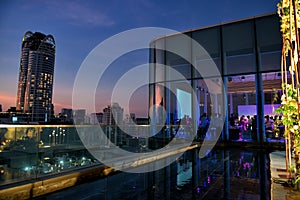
80	14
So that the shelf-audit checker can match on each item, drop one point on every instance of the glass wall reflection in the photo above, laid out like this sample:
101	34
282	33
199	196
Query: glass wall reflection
223	174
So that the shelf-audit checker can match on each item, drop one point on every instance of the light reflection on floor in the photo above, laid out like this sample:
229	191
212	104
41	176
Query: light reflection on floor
220	175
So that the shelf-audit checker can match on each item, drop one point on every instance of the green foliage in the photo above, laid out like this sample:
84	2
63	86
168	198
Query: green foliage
290	113
287	28
297	179
289	109
288	11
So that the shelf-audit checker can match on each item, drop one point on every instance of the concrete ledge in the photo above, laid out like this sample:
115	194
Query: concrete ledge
43	187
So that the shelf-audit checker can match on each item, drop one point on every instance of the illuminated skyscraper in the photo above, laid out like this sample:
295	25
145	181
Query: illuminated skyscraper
35	85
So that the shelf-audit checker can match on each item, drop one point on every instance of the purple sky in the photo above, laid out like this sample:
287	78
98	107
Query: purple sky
79	26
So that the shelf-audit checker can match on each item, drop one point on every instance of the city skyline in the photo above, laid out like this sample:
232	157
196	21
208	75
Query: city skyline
80	26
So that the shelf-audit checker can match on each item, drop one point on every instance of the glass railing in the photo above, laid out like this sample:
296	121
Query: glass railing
29	152
32	152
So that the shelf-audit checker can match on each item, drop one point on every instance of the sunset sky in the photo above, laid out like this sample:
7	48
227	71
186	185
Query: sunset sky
79	26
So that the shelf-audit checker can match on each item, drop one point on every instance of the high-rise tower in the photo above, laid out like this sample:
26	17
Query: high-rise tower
36	76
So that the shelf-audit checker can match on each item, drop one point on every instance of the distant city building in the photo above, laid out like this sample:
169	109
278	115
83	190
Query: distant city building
132	116
0	107
5	118
118	113
129	118
35	86
87	119
113	115
107	116
142	121
12	110
79	116
13	116
96	118
67	114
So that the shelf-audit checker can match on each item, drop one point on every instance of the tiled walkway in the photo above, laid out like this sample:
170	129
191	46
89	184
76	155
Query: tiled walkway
280	188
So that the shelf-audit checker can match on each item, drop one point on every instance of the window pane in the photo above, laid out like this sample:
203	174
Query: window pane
159	59
178	56
270	60
268	31
242	107
269	42
238	36
240	62
209	39
272	95
151	63
238	41
179	100
210	102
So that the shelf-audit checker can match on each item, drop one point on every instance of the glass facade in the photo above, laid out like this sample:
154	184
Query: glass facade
247	55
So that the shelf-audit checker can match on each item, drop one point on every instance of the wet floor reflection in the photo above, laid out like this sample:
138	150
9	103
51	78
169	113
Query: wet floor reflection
223	174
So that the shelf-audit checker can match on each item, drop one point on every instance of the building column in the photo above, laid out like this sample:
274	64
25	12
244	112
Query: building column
261	136
259	92
226	167
216	107
205	101
199	102
231	103
246	99
167	181
196	172
263	175
225	131
195	108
